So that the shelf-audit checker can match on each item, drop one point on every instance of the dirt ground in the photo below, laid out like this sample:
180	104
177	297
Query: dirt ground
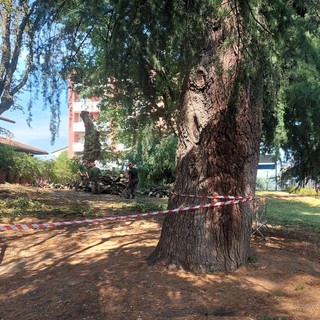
99	272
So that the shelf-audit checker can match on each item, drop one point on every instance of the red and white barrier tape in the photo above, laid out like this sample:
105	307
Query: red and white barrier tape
19	227
240	197
207	197
232	200
289	196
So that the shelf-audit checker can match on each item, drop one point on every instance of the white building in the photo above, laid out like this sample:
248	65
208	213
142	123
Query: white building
268	172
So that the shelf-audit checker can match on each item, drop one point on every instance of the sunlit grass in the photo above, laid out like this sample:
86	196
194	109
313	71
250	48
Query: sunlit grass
292	212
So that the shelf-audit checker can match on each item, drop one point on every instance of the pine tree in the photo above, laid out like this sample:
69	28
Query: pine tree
213	71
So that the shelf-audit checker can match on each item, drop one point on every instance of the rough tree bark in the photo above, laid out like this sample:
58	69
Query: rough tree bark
218	153
92	145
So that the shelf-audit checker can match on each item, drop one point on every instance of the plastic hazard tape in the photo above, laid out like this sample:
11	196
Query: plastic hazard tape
241	197
289	196
20	227
208	197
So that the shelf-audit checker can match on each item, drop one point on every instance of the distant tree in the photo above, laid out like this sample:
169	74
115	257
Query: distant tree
32	56
154	153
212	70
291	122
301	118
64	169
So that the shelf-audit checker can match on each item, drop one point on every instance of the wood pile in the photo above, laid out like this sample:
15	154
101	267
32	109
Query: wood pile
115	186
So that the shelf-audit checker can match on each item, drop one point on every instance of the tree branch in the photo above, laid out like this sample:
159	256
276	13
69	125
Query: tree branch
257	21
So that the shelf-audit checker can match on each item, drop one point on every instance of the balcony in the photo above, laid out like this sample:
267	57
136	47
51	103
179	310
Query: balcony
91	106
78	127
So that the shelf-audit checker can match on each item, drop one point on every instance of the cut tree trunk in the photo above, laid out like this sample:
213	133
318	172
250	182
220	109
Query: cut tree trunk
92	145
218	153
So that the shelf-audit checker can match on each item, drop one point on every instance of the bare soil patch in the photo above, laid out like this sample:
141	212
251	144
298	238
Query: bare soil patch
99	271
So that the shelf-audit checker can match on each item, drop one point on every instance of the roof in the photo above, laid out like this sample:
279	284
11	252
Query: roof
6	119
22	147
61	149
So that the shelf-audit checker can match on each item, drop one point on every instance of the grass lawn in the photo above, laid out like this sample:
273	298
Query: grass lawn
291	211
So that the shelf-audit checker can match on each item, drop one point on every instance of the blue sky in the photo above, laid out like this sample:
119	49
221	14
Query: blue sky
39	134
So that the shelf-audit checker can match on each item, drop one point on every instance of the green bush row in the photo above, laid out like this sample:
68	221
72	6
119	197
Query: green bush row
20	167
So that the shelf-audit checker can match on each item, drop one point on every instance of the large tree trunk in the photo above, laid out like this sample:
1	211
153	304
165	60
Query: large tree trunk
218	153
92	145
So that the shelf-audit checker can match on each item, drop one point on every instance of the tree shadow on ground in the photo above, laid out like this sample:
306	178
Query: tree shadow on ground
100	272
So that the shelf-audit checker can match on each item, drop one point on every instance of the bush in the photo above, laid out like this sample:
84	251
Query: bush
20	167
300	191
64	169
6	160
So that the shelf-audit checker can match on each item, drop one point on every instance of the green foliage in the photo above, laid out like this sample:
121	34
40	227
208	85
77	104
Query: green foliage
146	45
151	149
295	116
21	203
19	166
154	156
306	191
80	207
291	189
301	191
29	27
301	119
47	169
299	287
145	207
137	56
64	169
159	163
15	164
6	156
20	206
25	169
22	168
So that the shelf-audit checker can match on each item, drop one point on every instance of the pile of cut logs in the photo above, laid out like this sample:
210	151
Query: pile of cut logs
114	185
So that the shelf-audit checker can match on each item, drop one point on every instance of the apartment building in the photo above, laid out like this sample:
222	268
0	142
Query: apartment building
76	126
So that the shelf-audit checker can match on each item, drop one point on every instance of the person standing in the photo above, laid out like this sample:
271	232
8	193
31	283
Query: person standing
94	176
133	181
